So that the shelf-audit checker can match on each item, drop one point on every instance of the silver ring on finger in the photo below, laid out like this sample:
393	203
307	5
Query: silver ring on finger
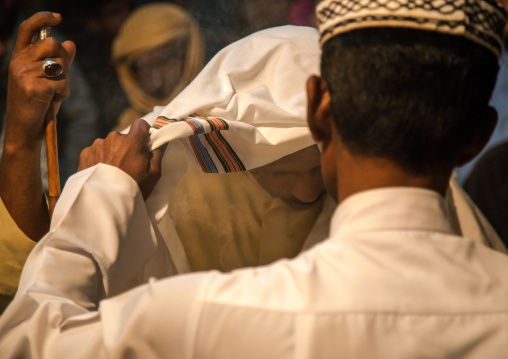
51	68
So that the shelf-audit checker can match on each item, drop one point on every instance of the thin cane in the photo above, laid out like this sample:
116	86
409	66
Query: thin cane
51	68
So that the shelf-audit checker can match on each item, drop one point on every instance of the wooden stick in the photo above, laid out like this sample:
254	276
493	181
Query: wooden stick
51	146
52	157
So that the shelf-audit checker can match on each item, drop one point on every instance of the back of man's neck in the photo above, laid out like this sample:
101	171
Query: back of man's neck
356	174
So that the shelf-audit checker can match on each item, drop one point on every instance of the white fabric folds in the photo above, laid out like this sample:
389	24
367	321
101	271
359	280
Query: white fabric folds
257	85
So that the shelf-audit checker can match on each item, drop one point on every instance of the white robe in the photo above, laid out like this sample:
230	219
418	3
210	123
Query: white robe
392	281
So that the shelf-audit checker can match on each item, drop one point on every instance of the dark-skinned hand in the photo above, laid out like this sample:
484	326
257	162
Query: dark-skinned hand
129	152
30	94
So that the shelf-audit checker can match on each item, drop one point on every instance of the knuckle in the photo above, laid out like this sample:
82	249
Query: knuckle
16	68
83	156
31	90
142	123
48	48
52	44
62	90
25	24
114	136
84	153
96	143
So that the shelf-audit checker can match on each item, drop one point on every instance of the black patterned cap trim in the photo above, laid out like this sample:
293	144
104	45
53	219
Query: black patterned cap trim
481	21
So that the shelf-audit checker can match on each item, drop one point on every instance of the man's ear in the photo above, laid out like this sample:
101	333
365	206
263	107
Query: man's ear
319	115
481	137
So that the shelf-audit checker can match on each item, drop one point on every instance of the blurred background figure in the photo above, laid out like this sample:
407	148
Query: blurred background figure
263	14
499	101
486	178
7	29
225	21
157	53
302	13
488	187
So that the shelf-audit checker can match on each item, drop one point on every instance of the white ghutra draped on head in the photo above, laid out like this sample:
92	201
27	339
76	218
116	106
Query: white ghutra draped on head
245	110
257	87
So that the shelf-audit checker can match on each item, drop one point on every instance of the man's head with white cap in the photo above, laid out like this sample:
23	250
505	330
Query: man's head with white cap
404	90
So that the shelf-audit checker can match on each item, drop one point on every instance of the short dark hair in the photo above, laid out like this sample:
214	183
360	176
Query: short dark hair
411	96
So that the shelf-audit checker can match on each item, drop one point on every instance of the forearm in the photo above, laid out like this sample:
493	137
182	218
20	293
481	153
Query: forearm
99	243
100	224
21	188
29	97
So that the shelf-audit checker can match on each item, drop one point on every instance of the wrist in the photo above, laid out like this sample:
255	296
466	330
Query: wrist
18	141
23	132
21	149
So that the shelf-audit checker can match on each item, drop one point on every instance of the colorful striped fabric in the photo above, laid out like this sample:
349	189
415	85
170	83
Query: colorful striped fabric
162	121
214	148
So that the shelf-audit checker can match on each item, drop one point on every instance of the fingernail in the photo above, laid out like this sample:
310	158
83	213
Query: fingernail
56	15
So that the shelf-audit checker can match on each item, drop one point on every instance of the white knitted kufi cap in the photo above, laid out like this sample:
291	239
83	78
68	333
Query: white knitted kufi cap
481	21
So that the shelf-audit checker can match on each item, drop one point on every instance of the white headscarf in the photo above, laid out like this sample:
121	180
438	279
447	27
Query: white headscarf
248	108
257	85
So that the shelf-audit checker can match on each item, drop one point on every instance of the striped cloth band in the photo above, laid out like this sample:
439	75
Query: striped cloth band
207	142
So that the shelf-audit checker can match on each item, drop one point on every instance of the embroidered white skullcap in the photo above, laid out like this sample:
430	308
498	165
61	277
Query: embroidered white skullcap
481	21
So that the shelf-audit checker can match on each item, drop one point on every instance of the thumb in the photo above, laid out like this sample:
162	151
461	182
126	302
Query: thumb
70	47
155	172
156	160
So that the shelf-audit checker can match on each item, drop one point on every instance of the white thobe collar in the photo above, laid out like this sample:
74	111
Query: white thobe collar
388	209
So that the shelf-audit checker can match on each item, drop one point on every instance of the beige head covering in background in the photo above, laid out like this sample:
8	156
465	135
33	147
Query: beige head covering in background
150	27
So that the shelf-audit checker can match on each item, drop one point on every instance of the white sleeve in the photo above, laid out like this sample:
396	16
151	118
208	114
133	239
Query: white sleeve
99	242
